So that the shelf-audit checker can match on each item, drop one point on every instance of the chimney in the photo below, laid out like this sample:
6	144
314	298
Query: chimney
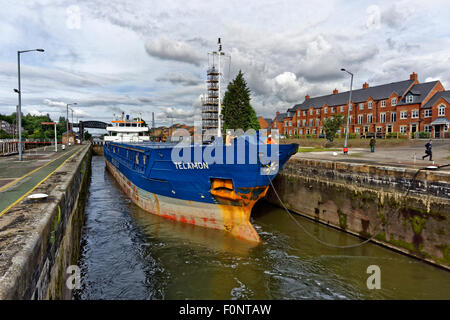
307	97
414	76
278	113
365	85
335	91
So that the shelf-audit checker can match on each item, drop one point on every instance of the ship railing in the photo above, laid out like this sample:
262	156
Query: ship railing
212	116
212	71
209	109
210	101
212	78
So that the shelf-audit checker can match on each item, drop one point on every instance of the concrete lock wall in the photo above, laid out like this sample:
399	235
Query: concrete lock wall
359	198
36	263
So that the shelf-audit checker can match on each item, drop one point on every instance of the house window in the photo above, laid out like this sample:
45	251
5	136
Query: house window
393	116
409	98
304	113
275	125
427	113
285	123
427	128
360	118
369	105
342	108
361	106
310	122
394	101
332	110
317	111
415	114
298	123
290	132
357	130
383	103
403	129
304	122
369	118
311	112
441	110
298	113
290	123
301	131
325	110
382	117
403	115
317	122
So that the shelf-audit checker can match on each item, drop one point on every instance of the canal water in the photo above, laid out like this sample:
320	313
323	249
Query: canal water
128	253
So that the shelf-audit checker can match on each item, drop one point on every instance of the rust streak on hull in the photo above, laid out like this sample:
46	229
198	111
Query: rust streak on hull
231	213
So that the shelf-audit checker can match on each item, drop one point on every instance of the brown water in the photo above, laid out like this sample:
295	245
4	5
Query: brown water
128	253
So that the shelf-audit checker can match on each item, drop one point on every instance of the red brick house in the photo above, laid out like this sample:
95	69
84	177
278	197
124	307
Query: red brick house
278	122
403	107
264	123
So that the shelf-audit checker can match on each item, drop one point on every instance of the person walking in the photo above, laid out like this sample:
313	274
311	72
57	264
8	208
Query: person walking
428	152
372	144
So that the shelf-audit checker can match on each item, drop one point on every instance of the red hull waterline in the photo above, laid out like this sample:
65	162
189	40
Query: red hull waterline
231	214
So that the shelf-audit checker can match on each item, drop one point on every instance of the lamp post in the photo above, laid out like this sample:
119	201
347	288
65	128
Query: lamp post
67	121
348	110
19	108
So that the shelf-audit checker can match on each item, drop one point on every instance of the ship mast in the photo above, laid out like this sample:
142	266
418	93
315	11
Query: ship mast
219	107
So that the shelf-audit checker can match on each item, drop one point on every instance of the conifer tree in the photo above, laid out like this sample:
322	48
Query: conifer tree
237	111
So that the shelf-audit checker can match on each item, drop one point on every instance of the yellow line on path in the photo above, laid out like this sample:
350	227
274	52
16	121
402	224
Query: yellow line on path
37	185
26	175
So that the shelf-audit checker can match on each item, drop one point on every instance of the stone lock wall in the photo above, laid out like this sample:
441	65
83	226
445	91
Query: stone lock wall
365	200
34	263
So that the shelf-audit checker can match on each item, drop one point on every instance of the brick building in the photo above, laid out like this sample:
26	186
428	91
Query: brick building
403	107
264	123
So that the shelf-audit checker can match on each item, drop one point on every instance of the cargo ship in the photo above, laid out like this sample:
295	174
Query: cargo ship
213	185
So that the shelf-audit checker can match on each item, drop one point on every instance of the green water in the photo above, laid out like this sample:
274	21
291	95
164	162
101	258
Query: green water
128	253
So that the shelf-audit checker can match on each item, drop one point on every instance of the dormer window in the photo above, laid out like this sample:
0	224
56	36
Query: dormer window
409	98
441	110
311	112
394	101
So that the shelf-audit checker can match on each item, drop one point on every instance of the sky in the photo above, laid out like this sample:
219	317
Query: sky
151	56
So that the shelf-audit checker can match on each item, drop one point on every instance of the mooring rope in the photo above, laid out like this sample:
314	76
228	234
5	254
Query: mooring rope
376	227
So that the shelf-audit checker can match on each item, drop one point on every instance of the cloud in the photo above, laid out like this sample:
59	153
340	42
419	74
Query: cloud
180	79
55	103
173	50
373	20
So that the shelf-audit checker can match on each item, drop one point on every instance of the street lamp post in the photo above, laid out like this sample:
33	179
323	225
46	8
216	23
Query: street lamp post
348	110
67	120
19	108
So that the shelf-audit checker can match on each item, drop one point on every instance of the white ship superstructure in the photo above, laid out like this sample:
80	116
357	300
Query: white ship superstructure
127	130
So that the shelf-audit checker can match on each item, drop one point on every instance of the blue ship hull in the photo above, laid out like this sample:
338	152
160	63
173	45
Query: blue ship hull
216	194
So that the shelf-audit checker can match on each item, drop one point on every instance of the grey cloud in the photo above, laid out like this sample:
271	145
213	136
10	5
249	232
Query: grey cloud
166	49
182	79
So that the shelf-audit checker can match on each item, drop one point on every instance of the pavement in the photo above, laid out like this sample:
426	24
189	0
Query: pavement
400	156
18	178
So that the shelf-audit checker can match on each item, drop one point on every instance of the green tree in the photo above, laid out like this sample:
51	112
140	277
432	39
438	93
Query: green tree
331	126
87	135
237	111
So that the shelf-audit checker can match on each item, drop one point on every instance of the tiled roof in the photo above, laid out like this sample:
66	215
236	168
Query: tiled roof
280	117
268	120
439	121
360	95
442	94
419	92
